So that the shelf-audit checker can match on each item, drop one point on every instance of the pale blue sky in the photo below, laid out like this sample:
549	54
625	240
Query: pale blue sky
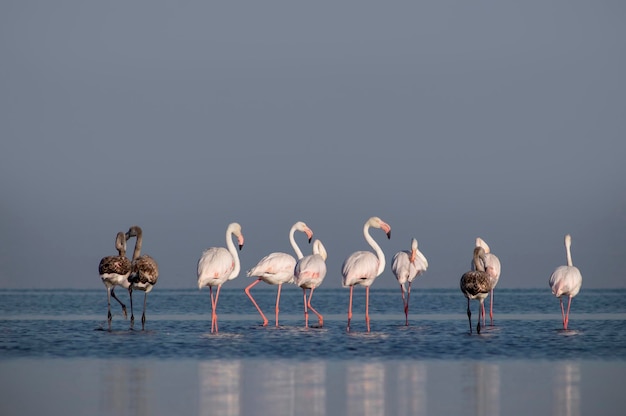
449	120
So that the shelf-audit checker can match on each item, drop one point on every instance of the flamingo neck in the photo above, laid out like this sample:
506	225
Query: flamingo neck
138	242
292	240
233	252
569	255
377	249
478	264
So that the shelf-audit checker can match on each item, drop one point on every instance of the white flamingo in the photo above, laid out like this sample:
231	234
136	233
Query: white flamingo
566	281
492	267
217	264
475	284
144	273
309	274
362	267
407	265
114	271
277	268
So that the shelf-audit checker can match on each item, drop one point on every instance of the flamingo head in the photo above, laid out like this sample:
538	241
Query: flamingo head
378	223
479	258
235	229
133	231
481	243
302	227
413	250
568	240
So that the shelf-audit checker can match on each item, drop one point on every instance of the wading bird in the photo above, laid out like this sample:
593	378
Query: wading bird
475	285
406	266
143	275
277	268
362	267
114	271
492	267
217	264
309	274
566	281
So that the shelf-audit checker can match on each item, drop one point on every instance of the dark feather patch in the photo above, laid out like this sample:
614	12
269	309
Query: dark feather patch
114	264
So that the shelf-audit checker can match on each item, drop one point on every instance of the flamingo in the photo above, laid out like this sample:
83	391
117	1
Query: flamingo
492	267
309	274
217	264
566	281
363	267
475	284
407	265
114	271
144	273
277	268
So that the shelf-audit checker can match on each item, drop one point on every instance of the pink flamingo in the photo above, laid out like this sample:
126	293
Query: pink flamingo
363	267
566	281
491	264
217	265
407	265
277	268
114	271
309	274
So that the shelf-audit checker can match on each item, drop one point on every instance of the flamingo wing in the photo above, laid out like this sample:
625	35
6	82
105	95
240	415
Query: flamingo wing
275	268
310	271
401	266
566	280
360	267
215	265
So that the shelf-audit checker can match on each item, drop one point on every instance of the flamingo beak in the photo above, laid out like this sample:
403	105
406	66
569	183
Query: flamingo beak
309	234
240	242
413	255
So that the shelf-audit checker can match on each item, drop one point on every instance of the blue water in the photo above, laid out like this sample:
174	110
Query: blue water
72	324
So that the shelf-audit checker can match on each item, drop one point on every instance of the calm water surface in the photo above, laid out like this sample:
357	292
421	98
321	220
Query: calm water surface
55	342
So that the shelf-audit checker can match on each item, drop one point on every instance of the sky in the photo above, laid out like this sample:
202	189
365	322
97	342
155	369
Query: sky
447	119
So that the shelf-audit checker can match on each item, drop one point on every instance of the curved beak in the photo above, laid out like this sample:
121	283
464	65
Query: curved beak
413	255
240	238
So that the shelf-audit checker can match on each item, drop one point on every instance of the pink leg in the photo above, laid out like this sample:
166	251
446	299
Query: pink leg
280	285
491	308
247	290
367	307
216	298
320	318
403	298
306	312
212	309
350	309
406	308
569	303
562	313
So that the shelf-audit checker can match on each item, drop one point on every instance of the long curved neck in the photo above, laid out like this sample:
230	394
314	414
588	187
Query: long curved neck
233	252
569	255
377	249
292	240
138	242
478	264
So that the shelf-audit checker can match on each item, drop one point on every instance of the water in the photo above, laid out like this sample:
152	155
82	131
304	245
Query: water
57	342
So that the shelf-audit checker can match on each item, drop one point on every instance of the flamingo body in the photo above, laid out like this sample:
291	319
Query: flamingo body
277	268
566	281
362	267
217	265
144	273
309	273
406	266
114	271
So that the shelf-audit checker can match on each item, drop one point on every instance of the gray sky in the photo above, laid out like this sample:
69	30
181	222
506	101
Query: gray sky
449	120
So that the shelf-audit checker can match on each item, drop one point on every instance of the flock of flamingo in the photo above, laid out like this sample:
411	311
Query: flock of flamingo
219	264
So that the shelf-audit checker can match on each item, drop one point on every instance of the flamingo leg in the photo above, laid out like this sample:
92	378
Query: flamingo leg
367	307
280	285
481	314
562	313
469	314
109	316
306	312
403	300
132	315
143	315
491	308
320	318
247	290
350	309
406	308
569	303
120	302
216	298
